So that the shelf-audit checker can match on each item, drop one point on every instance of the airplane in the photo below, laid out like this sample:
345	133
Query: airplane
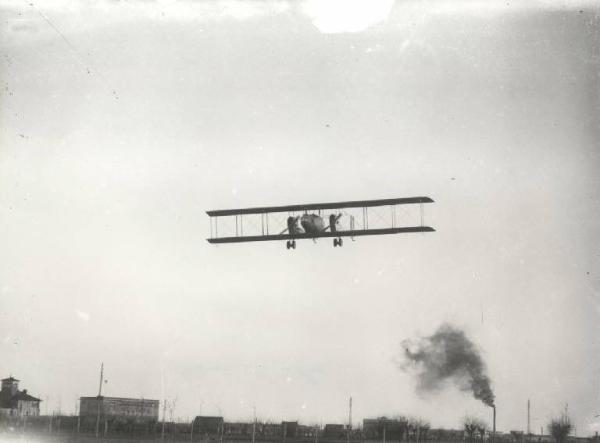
316	220
311	223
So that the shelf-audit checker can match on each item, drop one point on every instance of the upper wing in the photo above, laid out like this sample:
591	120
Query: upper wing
317	206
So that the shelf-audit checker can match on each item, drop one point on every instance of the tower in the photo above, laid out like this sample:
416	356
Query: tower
10	385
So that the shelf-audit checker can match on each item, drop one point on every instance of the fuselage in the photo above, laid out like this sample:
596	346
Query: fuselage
312	223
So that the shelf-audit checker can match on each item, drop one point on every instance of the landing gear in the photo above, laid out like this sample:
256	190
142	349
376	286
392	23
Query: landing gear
290	244
338	242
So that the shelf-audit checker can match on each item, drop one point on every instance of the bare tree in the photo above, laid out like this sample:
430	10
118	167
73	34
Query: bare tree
474	427
482	428
560	428
419	428
517	436
402	422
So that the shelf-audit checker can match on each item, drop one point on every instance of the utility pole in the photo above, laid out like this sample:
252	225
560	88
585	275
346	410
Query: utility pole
77	411
349	418
528	417
253	424
99	399
162	436
101	378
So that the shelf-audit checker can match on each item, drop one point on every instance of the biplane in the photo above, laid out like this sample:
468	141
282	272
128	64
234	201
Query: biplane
318	220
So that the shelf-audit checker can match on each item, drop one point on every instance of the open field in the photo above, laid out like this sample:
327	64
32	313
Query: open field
34	437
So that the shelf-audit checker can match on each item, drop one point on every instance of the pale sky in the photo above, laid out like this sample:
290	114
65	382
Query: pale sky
122	122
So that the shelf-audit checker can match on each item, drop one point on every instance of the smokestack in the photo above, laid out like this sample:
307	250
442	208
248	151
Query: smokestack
494	424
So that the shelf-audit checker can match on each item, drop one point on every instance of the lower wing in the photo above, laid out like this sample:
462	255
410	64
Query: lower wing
324	233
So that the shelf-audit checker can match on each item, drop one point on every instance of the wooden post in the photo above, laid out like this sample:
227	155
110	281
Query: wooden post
162	435
254	425
99	399
528	417
349	418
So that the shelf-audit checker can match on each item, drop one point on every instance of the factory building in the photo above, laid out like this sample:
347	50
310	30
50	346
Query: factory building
290	429
305	431
334	431
270	429
237	429
375	428
17	403
125	409
215	426
207	425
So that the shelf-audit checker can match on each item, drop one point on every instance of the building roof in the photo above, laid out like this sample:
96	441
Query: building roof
24	396
103	398
11	378
10	401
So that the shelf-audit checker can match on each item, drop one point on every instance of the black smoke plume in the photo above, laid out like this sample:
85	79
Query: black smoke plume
448	355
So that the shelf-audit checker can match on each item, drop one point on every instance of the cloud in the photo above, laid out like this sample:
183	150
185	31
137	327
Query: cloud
337	16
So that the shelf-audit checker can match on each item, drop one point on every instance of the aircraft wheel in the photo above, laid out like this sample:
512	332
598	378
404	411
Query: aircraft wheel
335	242
293	244
340	242
287	244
